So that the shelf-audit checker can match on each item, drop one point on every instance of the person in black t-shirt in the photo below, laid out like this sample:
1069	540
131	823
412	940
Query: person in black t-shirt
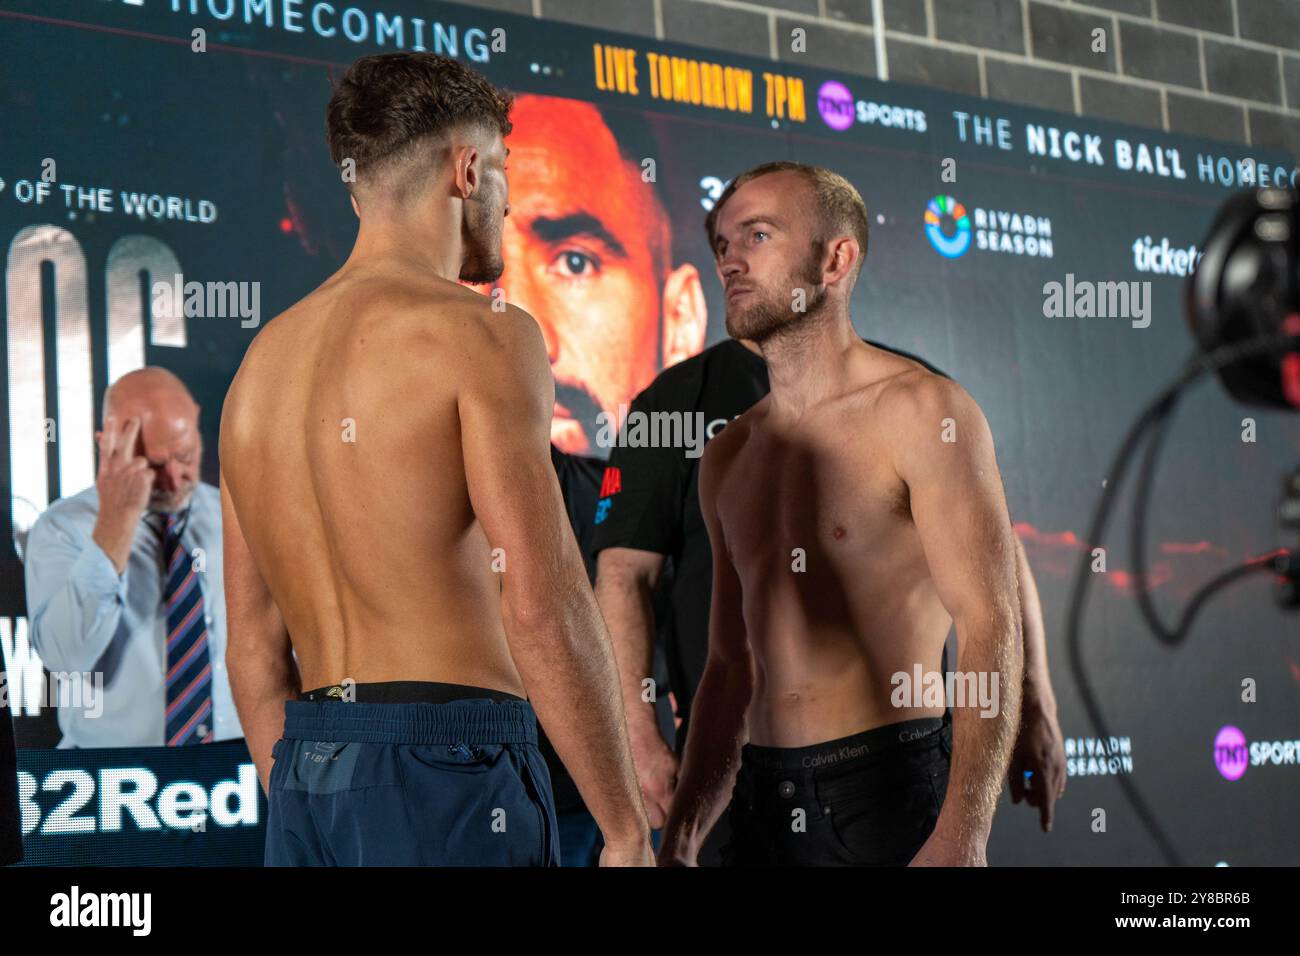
579	836
580	840
650	539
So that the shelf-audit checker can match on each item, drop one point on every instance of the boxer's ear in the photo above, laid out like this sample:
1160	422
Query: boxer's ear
467	171
844	255
685	315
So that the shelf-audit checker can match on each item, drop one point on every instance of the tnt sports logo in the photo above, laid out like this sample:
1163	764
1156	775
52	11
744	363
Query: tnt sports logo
1230	753
1232	756
839	110
947	208
835	104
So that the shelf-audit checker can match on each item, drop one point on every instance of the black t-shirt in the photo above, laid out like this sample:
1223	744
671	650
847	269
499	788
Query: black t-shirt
579	480
649	497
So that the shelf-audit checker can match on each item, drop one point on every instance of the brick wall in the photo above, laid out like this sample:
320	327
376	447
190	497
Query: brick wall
1228	69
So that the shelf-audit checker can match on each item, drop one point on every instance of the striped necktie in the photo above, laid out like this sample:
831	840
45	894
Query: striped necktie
189	670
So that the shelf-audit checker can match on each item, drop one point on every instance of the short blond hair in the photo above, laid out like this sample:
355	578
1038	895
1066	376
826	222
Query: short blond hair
839	204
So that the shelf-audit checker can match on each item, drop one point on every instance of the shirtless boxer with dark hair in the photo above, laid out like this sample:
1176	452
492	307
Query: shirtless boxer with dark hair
848	537
395	539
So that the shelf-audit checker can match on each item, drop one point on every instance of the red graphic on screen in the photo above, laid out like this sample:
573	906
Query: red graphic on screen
1291	363
1159	573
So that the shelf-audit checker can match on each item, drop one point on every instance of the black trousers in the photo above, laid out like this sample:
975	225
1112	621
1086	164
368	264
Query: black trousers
867	800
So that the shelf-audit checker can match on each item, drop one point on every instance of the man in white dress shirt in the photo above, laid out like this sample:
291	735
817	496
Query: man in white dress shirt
124	582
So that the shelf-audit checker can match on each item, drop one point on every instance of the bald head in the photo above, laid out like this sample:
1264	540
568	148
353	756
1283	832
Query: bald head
169	431
148	391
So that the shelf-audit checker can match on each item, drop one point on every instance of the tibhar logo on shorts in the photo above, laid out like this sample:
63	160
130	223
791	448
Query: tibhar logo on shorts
322	750
75	908
952	230
1095	756
1232	755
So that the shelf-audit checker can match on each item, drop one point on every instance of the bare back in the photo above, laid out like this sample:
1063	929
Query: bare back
341	449
837	591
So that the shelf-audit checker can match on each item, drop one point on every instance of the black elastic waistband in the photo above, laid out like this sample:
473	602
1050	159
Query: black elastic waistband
404	692
836	753
475	721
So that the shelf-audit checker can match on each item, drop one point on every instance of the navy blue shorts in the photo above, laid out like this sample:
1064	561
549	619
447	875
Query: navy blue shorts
410	784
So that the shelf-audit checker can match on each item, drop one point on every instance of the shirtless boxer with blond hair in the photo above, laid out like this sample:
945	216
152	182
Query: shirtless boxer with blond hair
848	537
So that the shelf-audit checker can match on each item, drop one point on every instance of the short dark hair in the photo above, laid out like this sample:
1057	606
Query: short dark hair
839	204
384	105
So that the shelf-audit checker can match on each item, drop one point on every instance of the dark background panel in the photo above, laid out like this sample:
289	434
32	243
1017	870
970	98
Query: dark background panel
128	106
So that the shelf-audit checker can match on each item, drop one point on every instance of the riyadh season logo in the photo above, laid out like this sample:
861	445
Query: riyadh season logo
952	230
1232	755
1098	756
947	226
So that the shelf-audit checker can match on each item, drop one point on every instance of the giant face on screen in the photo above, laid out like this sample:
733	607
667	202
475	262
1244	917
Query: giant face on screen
588	251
